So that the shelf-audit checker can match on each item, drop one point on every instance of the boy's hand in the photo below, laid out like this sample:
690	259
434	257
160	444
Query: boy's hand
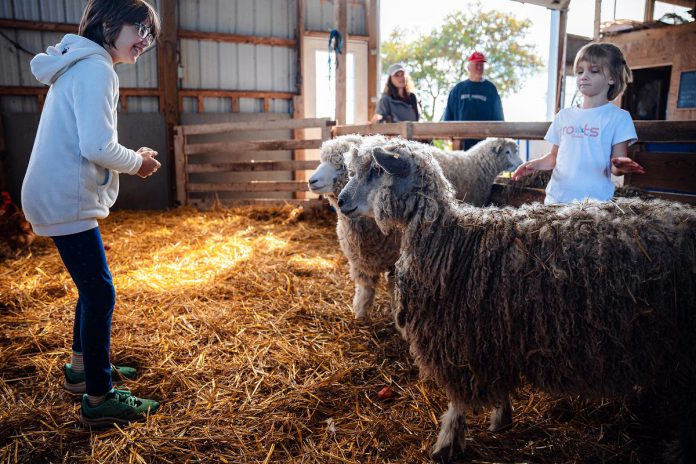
150	164
524	169
625	165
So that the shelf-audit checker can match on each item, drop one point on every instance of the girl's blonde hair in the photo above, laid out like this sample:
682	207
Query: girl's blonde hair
611	61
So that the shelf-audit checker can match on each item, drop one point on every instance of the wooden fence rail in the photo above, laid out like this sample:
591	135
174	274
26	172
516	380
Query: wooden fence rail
670	173
190	161
648	131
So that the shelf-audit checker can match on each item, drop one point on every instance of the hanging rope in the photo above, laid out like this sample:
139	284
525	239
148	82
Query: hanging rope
335	46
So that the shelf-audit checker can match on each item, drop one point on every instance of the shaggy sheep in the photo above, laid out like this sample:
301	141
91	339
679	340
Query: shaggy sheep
371	253
587	299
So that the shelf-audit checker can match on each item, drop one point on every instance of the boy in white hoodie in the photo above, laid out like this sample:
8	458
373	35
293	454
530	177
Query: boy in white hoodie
72	181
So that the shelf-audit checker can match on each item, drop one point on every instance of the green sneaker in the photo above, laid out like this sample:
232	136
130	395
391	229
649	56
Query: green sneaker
119	407
75	381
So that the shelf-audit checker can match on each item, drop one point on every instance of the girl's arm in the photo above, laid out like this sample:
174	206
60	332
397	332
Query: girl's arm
545	163
622	164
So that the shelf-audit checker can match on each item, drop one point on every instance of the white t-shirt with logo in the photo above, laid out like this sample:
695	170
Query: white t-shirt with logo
583	164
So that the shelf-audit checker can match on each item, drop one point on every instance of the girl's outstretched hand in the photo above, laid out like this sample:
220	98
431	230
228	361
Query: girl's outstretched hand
523	169
625	165
150	164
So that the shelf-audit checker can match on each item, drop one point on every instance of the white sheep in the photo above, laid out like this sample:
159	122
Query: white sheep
588	299
369	252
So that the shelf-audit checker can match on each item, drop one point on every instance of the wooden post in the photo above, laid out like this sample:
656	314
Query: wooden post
649	10
597	19
560	59
341	25
298	100
372	11
179	167
3	174
167	67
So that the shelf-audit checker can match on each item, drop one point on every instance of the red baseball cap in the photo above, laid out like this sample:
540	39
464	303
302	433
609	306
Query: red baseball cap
477	56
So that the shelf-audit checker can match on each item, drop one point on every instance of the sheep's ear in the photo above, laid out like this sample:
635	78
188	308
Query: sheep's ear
392	163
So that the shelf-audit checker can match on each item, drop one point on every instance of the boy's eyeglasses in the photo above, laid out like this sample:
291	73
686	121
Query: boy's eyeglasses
144	32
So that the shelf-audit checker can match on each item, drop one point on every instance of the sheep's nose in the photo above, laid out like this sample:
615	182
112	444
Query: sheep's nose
341	202
312	181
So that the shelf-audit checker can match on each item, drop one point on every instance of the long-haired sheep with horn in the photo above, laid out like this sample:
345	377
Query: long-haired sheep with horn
371	253
588	299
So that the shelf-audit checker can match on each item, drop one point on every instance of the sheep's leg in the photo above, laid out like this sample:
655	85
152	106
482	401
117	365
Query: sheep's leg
364	293
452	438
501	417
391	284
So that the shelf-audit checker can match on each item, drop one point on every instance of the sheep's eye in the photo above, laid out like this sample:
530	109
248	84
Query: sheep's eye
351	173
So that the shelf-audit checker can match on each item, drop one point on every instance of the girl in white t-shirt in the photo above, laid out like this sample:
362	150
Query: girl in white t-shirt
589	142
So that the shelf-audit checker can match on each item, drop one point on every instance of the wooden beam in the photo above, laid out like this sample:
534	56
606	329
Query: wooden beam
666	131
674	172
307	204
251	145
341	25
515	130
325	35
167	66
597	19
235	93
237	38
180	166
649	11
560	63
298	110
247	126
253	166
38	26
3	167
372	12
684	3
648	131
384	129
251	186
40	93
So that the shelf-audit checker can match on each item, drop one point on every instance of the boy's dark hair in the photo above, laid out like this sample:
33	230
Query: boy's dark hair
102	20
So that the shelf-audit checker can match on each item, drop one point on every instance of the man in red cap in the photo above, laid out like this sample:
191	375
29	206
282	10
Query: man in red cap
474	99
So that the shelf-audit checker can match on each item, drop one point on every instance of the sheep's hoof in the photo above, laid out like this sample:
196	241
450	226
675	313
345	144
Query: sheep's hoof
501	418
447	454
360	314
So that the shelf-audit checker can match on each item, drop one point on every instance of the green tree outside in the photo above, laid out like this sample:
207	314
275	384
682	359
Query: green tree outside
436	62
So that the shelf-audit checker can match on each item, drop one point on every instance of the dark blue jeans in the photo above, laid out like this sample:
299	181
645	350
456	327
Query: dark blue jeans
84	257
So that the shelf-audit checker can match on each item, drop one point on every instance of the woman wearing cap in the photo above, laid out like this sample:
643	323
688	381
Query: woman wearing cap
398	102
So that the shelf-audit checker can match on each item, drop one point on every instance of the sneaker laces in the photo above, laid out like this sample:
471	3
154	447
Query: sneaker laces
126	397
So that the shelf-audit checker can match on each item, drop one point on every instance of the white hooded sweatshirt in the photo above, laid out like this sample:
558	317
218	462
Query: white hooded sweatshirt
72	178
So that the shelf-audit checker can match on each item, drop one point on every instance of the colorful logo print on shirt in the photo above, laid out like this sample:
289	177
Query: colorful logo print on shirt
580	132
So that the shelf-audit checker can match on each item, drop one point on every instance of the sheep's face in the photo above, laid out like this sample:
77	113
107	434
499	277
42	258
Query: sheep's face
329	177
369	177
508	158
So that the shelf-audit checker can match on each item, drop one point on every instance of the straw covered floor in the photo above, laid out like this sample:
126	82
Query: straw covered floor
239	321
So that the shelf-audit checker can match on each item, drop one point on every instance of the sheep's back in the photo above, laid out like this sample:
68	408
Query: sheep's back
588	300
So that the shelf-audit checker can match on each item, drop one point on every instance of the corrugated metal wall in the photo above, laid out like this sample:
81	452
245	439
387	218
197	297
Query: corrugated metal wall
319	16
231	66
204	64
15	62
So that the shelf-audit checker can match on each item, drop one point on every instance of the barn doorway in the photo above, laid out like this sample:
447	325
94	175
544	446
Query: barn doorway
646	97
